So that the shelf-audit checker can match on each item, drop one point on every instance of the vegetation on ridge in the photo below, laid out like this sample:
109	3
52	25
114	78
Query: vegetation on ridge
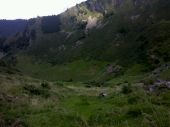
103	63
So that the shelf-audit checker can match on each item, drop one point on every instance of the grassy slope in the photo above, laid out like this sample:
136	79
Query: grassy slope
78	70
71	104
119	40
155	40
76	106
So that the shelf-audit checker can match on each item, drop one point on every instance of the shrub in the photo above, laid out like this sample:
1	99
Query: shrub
134	112
123	30
133	99
69	80
45	85
139	109
149	81
33	90
126	89
2	63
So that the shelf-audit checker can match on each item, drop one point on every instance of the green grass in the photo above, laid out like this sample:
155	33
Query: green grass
71	96
78	70
73	105
132	75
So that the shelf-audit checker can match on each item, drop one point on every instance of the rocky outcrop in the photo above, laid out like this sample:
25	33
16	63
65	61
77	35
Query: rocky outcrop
91	22
158	85
113	69
102	6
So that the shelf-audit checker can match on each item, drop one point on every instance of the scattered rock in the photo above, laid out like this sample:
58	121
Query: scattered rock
135	17
168	84
17	123
78	43
113	69
102	94
160	69
8	98
158	85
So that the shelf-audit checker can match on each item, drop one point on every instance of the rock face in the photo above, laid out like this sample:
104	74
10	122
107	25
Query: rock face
91	22
107	30
158	85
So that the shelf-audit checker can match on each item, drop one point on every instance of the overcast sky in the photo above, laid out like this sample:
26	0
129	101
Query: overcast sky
14	9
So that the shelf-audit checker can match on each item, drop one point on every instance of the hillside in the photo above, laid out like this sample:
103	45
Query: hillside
11	27
81	42
29	102
101	63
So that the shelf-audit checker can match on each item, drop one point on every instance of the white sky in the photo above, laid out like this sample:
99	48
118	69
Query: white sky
14	9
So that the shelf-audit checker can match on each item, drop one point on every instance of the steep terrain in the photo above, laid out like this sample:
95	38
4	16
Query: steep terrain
11	27
102	63
117	32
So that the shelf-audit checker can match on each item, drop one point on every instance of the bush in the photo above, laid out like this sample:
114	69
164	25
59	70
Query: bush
149	81
133	99
135	112
123	30
126	89
45	85
69	80
33	90
3	64
138	110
